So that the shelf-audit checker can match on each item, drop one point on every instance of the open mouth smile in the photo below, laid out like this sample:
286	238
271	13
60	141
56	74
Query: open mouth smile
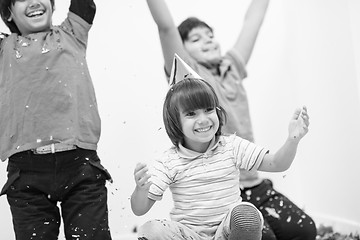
36	13
203	129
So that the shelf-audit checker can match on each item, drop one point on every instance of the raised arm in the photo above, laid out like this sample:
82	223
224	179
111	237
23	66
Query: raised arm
252	23
170	39
283	158
84	8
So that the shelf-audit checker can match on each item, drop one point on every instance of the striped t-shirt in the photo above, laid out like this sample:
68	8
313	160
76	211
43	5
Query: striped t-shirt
204	186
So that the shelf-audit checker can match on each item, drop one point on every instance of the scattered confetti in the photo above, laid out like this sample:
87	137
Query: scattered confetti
272	212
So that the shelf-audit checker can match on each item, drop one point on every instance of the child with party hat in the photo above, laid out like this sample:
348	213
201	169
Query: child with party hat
202	168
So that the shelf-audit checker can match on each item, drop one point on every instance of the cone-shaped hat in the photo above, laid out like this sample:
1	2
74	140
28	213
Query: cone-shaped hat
180	70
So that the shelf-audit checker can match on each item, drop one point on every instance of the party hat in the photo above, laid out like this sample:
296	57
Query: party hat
180	70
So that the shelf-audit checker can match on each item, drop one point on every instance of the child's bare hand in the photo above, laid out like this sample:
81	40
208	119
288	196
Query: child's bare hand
142	177
299	124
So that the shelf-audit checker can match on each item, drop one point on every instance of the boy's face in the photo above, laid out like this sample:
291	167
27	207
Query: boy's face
199	128
202	46
32	16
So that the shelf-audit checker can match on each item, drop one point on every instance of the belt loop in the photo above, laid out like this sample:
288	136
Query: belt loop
52	148
30	159
29	153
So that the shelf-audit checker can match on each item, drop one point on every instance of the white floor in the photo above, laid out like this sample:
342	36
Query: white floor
343	226
125	237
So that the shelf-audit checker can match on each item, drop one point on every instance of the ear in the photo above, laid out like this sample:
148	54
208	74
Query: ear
10	18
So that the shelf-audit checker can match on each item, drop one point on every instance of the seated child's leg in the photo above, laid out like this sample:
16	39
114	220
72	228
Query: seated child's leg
285	218
246	222
165	230
267	232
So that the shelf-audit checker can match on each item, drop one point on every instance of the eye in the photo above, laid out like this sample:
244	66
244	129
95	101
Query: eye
193	38
190	114
209	110
209	34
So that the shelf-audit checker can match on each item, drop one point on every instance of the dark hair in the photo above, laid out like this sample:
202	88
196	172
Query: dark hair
5	14
189	24
189	94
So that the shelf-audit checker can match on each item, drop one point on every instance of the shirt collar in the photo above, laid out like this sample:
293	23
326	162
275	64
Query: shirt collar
190	154
224	66
222	69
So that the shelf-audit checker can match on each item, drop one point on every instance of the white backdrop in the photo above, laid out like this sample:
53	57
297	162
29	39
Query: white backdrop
307	53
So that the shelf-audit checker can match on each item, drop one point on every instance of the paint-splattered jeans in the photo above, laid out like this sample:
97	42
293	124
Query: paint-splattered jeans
38	182
283	219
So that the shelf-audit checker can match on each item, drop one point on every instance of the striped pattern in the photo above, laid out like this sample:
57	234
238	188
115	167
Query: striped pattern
246	221
204	186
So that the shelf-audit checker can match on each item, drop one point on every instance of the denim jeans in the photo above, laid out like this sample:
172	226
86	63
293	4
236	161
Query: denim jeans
75	179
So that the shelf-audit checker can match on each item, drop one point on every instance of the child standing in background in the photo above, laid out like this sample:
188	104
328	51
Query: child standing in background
193	40
202	170
49	123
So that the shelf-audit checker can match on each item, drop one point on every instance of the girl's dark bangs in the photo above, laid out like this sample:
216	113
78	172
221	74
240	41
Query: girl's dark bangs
199	97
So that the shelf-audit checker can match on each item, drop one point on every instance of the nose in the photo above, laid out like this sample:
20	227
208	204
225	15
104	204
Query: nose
208	39
34	4
202	119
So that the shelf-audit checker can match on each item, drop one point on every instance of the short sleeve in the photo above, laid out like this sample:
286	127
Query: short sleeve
160	178
248	155
238	62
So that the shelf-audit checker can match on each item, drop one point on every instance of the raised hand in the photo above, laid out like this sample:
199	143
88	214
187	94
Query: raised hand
299	124
142	176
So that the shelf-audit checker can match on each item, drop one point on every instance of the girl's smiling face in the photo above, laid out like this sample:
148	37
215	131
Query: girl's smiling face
199	128
32	16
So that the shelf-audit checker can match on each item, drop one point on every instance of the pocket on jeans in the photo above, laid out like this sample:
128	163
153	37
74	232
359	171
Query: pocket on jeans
13	175
96	163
